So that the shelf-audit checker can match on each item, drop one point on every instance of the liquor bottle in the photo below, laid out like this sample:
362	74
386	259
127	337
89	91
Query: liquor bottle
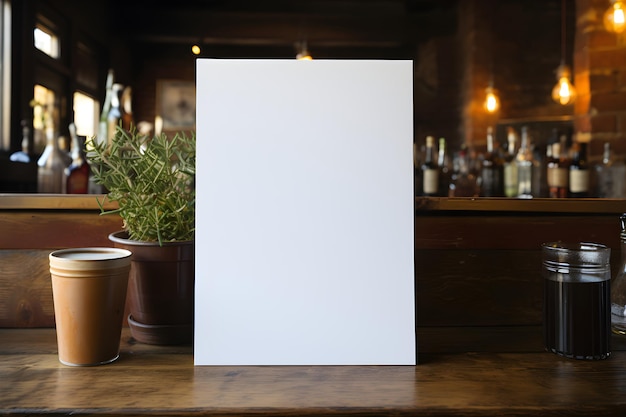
464	182
77	174
579	172
545	186
445	170
602	176
23	154
430	171
51	167
126	106
492	172
618	172
558	172
115	112
540	184
104	135
526	164
510	167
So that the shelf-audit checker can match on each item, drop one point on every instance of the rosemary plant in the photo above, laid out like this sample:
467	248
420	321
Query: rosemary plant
152	180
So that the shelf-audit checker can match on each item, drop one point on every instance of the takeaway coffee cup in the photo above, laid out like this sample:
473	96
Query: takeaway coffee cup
89	290
577	306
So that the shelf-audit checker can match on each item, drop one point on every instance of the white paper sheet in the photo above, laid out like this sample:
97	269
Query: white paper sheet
304	241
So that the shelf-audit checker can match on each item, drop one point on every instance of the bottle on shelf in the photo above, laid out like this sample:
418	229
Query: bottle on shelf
64	147
609	176
77	174
115	112
51	167
558	172
618	171
445	170
545	189
104	135
492	170
510	167
464	182
430	171
126	106
540	185
602	178
22	155
579	171
526	166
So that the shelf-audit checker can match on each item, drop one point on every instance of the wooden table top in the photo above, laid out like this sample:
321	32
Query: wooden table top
456	375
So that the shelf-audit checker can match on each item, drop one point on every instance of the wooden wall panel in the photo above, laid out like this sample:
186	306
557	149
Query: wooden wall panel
26	239
484	230
478	287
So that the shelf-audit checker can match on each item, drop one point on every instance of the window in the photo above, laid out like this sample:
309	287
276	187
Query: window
46	41
44	112
66	78
5	74
86	111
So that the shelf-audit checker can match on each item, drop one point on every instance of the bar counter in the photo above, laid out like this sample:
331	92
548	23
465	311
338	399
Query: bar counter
491	378
478	296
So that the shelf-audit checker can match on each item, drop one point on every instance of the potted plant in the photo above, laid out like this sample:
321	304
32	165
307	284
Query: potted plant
152	179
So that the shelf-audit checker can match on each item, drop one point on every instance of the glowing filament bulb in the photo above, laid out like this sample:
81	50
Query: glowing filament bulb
563	92
492	102
614	17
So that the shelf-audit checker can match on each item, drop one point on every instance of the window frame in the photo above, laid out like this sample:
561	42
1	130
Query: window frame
31	66
5	74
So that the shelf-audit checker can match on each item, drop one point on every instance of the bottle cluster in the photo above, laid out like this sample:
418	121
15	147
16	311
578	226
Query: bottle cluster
517	170
62	167
60	171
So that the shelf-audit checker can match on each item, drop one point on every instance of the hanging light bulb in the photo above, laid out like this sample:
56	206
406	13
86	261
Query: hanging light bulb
615	17
492	101
195	49
563	92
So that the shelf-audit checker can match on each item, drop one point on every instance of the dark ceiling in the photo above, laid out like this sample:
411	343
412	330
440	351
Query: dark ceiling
327	26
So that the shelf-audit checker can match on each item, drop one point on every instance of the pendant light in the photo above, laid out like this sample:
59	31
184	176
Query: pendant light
492	100
563	92
615	17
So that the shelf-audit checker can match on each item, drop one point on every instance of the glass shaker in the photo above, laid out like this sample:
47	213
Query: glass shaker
577	319
618	287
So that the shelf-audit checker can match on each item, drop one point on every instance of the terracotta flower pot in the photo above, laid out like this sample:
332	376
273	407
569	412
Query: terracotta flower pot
160	290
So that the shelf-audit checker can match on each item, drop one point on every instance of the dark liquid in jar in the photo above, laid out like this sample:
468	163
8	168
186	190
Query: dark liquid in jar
577	319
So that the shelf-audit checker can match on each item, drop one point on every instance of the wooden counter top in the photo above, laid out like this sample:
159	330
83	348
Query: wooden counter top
456	375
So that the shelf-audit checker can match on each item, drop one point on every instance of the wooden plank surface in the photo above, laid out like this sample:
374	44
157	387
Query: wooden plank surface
54	201
163	381
51	229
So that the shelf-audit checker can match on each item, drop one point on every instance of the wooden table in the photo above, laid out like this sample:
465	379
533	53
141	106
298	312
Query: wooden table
465	372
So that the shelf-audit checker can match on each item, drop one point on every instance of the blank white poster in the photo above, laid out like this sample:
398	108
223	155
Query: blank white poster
304	221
